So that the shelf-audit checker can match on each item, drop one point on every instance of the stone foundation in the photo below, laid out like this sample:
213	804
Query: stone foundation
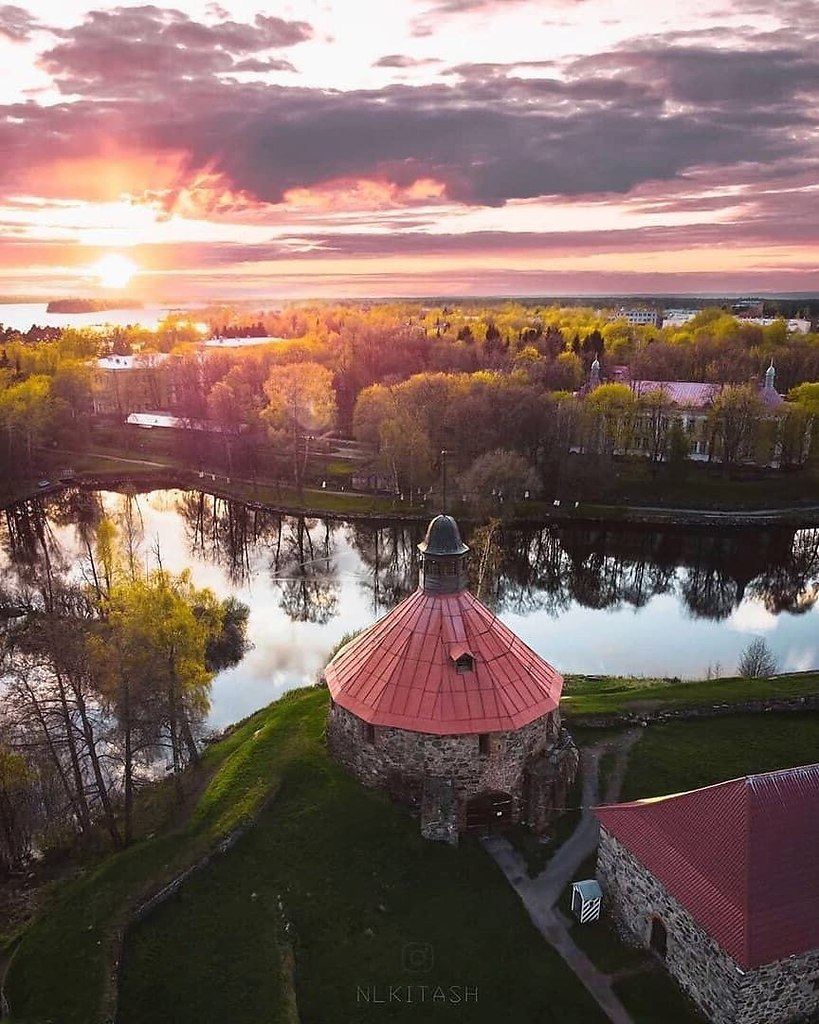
773	994
535	765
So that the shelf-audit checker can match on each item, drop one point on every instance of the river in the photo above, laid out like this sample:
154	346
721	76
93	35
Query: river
589	599
21	316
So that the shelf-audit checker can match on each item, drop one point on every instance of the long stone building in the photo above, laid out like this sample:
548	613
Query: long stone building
722	883
442	706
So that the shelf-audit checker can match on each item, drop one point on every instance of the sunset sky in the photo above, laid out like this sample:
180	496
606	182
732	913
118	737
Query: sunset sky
409	147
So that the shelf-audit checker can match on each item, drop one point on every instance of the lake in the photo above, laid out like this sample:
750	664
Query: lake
589	599
21	316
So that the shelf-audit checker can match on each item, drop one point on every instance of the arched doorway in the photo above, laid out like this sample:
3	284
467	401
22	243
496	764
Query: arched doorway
489	810
658	938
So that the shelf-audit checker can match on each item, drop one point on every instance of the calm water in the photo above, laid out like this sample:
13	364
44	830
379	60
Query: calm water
21	316
588	600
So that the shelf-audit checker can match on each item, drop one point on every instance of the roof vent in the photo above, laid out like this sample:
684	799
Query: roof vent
464	662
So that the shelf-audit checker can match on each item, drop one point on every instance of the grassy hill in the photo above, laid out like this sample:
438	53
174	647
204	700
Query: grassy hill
332	896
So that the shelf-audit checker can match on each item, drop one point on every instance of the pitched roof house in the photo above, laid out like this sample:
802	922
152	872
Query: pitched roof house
723	883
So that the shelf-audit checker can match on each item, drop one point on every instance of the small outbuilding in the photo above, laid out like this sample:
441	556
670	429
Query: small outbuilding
722	883
587	897
442	706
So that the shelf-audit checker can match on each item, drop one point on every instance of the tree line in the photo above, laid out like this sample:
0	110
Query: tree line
512	370
105	678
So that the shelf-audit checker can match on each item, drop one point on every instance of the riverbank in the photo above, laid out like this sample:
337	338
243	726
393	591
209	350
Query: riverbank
104	472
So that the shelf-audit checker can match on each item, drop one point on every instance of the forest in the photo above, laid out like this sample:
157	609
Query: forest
494	385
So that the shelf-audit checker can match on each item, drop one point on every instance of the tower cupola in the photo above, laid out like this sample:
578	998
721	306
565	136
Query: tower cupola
443	557
770	376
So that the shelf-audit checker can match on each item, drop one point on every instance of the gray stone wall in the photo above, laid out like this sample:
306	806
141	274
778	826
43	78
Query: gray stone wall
399	760
784	991
773	994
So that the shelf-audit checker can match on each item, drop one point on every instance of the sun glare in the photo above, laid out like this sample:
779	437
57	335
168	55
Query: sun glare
114	270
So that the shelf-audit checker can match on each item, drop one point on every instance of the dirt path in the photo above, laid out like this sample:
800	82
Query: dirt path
541	894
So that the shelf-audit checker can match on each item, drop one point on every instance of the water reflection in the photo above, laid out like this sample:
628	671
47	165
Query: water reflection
589	598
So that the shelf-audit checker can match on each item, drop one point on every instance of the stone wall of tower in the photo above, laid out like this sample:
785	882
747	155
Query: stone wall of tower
399	761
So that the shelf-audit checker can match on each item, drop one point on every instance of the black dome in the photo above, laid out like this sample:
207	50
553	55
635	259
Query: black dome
443	538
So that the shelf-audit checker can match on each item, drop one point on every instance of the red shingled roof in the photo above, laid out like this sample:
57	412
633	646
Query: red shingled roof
401	672
688	393
739	856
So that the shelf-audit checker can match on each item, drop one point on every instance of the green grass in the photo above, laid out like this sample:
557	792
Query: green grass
610	695
357	884
60	973
673	757
654	996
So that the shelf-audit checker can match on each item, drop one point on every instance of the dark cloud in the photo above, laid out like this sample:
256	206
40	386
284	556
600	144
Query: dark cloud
152	48
262	65
709	77
397	60
602	125
16	24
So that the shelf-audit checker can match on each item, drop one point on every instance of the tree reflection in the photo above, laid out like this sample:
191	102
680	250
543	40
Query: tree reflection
227	533
306	570
389	551
792	585
513	569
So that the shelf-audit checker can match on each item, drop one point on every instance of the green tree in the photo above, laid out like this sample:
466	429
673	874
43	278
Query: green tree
300	401
497	479
734	419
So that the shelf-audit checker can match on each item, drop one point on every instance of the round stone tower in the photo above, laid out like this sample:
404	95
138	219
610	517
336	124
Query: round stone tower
441	705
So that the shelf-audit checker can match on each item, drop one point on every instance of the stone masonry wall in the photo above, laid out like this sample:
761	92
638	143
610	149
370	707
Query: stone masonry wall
634	897
783	991
776	993
399	760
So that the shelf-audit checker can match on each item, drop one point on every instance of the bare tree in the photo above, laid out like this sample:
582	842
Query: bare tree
757	661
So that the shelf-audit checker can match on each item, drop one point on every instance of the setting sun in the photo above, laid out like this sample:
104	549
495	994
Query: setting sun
114	270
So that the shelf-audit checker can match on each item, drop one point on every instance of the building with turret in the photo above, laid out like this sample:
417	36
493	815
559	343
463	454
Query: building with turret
442	706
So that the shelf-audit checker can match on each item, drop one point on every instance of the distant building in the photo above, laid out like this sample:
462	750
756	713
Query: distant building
639	317
167	421
240	342
722	884
678	317
127	382
690	404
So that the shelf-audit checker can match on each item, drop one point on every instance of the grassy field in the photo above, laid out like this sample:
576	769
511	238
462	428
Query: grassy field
369	904
589	695
365	904
61	971
676	756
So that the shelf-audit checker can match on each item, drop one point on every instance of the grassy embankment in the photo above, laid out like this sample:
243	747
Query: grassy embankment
611	695
358	887
357	884
673	757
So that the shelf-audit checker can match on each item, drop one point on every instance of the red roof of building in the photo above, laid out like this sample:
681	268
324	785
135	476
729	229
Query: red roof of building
739	856
401	672
688	393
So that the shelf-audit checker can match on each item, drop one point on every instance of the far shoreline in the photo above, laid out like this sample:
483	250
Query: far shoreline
356	505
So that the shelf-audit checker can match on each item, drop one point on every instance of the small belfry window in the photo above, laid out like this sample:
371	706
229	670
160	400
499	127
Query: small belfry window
369	733
464	663
483	744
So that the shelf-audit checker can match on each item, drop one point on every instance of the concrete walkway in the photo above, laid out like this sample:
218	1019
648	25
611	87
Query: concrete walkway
541	894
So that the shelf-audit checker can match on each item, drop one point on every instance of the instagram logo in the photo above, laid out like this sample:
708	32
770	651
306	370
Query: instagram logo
417	957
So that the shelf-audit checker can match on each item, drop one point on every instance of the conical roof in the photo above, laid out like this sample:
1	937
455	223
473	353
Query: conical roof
442	664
